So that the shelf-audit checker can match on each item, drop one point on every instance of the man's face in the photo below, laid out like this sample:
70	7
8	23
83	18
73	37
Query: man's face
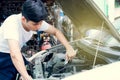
33	25
30	25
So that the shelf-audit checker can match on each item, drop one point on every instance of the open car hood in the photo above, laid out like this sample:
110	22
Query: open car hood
86	15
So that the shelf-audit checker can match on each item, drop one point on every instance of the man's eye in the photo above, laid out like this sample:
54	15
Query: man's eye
35	24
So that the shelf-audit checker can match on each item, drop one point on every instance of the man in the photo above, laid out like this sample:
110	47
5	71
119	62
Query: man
17	30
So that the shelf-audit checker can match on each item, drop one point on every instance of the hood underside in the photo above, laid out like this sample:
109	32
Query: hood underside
85	15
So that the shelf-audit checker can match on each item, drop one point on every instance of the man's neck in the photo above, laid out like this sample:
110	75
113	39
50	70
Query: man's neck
24	26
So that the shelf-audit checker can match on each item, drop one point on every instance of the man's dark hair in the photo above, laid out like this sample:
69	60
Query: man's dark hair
34	10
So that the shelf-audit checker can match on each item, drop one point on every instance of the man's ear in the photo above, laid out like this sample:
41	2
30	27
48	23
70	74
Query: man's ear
23	19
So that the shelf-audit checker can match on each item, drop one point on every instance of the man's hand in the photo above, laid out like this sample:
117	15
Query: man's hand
28	78
70	54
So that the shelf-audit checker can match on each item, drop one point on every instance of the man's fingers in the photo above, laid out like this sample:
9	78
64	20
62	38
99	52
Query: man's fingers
70	55
66	59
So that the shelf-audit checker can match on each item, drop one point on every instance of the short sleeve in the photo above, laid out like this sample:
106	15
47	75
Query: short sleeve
11	28
44	26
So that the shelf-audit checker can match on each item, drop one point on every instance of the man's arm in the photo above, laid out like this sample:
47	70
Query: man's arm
70	52
17	59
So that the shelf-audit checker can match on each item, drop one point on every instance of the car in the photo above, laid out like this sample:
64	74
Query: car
91	34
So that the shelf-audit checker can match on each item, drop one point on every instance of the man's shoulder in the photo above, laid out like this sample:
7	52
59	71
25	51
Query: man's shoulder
14	16
12	21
